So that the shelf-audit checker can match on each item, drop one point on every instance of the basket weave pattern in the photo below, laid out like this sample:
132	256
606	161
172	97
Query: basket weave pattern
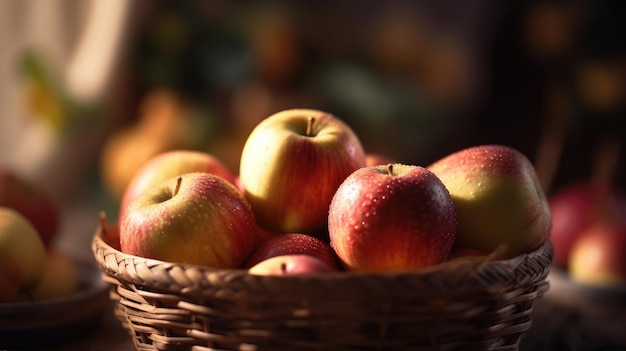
471	305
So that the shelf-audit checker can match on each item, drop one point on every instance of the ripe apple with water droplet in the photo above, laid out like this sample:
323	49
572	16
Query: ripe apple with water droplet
498	199
391	218
197	218
291	165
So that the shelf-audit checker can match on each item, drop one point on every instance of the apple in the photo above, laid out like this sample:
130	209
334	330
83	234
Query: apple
498	199
22	256
60	276
391	218
598	255
577	206
196	218
33	201
293	264
291	165
292	244
170	164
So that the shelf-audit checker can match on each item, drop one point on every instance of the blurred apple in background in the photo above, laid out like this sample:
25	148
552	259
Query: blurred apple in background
59	277
374	159
170	164
292	244
577	206
22	256
291	265
291	165
498	199
35	203
598	256
165	123
197	218
391	218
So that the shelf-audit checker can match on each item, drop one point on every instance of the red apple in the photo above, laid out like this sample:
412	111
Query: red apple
391	218
294	244
291	165
598	256
498	199
197	218
171	164
34	202
577	206
22	256
291	265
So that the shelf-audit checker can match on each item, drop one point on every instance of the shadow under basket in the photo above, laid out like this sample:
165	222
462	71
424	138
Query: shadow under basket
468	304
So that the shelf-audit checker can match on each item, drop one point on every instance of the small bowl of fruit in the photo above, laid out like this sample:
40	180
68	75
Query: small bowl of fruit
46	294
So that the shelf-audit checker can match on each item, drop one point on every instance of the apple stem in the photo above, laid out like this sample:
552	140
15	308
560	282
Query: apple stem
178	181
283	268
309	125
390	169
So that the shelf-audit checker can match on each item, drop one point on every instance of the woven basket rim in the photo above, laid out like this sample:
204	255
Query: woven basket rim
484	273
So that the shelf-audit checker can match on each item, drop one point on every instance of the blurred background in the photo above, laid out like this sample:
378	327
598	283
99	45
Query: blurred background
90	89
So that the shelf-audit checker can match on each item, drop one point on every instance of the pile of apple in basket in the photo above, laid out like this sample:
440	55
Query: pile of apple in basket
309	199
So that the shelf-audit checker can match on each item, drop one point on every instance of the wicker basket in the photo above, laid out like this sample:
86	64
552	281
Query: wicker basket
476	304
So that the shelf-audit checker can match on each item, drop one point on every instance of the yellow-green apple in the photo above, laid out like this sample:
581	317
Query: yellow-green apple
170	164
598	256
196	218
33	201
294	244
291	165
22	256
391	218
60	276
577	206
498	199
292	264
